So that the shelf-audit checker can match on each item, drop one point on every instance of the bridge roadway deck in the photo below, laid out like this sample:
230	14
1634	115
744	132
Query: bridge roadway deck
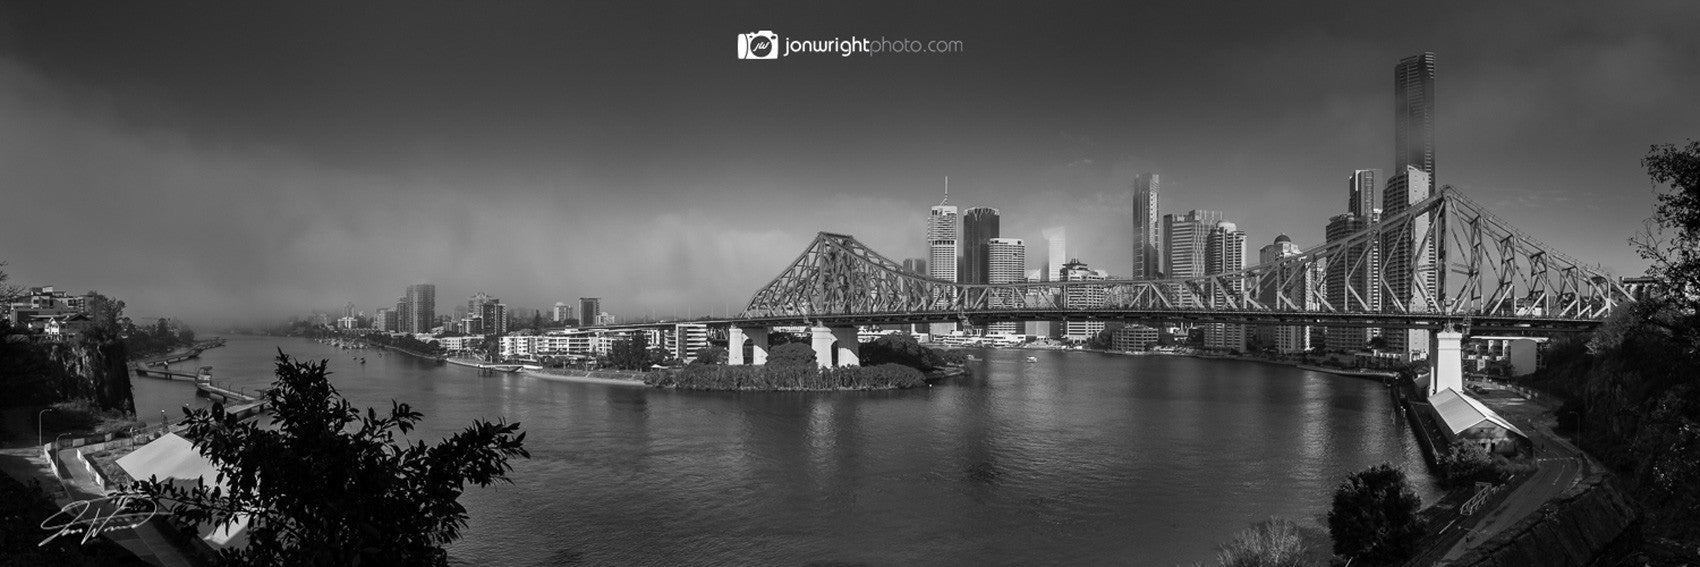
1498	325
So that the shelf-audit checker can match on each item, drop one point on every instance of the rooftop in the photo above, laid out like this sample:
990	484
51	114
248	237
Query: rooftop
1461	412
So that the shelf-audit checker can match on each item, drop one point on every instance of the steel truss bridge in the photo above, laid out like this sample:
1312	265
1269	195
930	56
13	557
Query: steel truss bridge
1443	262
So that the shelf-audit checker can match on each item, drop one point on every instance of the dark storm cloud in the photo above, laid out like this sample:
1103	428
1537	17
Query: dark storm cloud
207	162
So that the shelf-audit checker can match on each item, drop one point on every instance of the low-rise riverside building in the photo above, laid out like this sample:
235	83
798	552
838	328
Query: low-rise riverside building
1464	418
1133	338
1509	356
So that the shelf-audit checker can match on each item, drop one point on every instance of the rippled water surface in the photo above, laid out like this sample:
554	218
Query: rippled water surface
1080	458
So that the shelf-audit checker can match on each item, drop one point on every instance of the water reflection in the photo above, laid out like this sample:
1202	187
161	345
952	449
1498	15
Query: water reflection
1080	458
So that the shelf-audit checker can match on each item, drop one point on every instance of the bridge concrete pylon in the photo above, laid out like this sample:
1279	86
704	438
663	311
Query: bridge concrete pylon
834	346
735	338
1446	361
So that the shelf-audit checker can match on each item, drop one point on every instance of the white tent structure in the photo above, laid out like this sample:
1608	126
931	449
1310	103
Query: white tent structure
174	459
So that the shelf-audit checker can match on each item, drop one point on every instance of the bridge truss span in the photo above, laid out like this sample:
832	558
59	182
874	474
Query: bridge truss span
1445	260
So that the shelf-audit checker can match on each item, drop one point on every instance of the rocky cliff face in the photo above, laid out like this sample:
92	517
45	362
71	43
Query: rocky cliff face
97	369
1591	522
1634	403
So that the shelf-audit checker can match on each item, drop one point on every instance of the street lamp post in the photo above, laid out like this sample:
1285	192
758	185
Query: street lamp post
38	417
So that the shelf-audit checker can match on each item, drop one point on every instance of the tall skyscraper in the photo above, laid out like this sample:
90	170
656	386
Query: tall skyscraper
942	250
1225	252
1056	251
1413	114
979	225
1409	262
1287	338
1006	261
942	243
1350	282
1361	192
1184	238
588	309
1147	227
420	313
917	266
561	312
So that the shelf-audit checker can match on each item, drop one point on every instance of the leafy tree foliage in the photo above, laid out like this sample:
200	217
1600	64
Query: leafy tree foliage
1277	542
792	354
7	291
1374	517
776	338
710	355
632	353
1676	261
327	485
1102	340
898	349
104	312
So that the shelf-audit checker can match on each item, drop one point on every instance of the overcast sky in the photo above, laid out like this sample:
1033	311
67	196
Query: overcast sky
206	163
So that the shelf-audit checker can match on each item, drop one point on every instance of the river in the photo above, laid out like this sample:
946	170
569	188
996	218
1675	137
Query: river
1077	459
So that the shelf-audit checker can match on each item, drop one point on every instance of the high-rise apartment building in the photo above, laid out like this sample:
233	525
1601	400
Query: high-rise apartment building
588	309
1225	252
384	320
1147	227
489	315
942	250
419	310
1006	262
1360	192
1082	297
1410	269
979	225
1413	115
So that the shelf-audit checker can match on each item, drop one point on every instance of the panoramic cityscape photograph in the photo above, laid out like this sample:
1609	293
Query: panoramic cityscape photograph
538	283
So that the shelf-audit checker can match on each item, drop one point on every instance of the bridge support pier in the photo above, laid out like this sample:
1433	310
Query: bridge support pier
1446	361
834	346
735	337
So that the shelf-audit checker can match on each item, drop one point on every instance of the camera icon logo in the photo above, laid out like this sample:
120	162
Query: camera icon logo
758	45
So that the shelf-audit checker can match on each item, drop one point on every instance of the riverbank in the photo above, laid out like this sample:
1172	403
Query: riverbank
437	358
1382	375
788	378
614	377
180	354
470	363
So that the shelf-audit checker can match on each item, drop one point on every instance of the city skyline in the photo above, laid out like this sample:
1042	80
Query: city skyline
504	153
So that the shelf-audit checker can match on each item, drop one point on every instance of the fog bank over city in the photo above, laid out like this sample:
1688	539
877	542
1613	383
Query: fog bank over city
223	167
